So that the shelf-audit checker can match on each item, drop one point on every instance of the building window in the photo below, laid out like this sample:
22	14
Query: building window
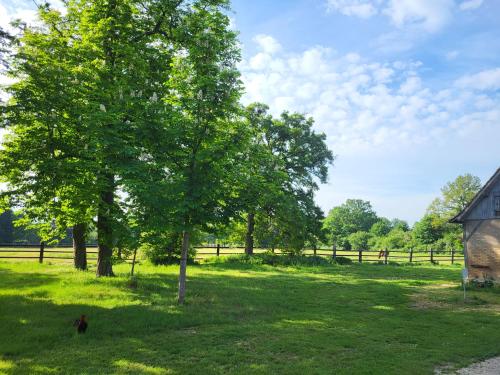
496	205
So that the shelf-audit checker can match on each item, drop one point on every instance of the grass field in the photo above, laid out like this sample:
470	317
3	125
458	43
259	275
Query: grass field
396	256
358	319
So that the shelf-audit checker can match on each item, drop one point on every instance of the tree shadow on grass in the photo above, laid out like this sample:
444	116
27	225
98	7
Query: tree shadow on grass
365	271
255	323
24	280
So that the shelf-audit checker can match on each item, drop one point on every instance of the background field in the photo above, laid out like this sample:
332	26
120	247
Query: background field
364	319
65	254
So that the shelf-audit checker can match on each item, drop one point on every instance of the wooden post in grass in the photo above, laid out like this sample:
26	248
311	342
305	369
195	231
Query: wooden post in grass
133	262
432	255
411	254
218	249
42	248
334	252
452	256
360	256
314	249
386	255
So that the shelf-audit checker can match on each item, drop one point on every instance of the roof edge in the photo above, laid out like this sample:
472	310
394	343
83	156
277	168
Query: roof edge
459	218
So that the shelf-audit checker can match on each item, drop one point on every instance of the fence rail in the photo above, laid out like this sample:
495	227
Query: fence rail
42	251
360	256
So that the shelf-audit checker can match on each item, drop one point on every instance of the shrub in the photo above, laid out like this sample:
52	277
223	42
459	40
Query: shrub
271	259
343	260
359	240
166	249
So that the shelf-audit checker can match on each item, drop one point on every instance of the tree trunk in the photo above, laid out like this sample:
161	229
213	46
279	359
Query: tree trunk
79	248
182	271
249	235
105	230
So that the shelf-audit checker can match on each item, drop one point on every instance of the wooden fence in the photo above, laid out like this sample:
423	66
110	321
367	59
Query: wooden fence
42	252
65	252
360	256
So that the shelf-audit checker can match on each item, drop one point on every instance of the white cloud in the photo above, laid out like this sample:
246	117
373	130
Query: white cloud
267	43
7	16
25	11
357	8
470	4
429	15
380	116
411	85
422	15
360	103
484	80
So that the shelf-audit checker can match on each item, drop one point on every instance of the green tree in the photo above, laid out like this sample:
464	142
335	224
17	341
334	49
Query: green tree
193	165
435	227
42	159
456	195
285	159
83	107
352	216
427	230
396	239
359	240
381	227
400	224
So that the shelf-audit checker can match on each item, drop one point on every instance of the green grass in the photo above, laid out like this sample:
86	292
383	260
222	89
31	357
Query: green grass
251	319
397	256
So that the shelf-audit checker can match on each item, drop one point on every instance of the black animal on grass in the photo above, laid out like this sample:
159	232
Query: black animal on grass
81	324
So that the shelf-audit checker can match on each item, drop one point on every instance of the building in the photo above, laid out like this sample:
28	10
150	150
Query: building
481	223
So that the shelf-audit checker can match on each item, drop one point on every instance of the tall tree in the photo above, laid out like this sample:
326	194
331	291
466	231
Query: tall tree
456	195
42	160
285	160
352	216
434	228
193	158
86	98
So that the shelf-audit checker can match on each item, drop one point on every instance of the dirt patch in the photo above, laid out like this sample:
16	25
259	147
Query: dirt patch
448	296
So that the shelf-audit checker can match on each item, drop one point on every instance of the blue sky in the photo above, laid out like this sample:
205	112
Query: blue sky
407	91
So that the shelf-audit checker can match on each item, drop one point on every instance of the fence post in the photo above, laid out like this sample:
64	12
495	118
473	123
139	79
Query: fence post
42	248
314	248
360	256
411	254
452	256
386	255
218	249
334	254
432	255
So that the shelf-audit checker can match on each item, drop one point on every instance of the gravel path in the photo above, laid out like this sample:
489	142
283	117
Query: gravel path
488	367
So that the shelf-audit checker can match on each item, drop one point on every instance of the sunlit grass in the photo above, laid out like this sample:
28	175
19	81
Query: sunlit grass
368	319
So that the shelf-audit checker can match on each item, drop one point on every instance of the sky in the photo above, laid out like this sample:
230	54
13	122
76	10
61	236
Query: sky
406	91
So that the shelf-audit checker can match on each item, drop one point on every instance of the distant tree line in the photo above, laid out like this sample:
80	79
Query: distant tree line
355	225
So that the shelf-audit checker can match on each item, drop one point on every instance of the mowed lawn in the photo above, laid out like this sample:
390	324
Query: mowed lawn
249	319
